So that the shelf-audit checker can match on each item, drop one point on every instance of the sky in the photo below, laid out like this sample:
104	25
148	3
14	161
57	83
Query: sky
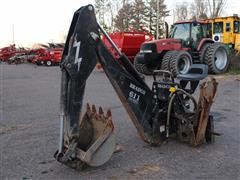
231	7
41	21
36	21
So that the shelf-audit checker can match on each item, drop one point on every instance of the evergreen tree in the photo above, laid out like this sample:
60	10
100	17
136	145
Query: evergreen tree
123	18
138	14
152	17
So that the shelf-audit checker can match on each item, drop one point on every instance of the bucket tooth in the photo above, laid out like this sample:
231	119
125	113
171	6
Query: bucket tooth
109	114
100	111
94	109
88	108
109	119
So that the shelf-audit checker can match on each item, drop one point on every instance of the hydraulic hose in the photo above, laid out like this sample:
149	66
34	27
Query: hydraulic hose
172	96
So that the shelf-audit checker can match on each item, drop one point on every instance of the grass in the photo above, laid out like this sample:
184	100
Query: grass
233	71
234	66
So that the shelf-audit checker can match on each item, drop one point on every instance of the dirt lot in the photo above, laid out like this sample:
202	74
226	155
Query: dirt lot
29	127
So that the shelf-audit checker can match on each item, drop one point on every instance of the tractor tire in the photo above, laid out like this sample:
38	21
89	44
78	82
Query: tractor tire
180	62
38	63
202	53
48	63
217	58
165	64
142	68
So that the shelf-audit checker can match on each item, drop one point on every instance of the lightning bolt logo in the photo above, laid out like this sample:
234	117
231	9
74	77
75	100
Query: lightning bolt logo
78	59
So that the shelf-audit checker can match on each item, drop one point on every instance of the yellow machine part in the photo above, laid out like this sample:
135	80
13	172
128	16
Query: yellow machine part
237	43
230	29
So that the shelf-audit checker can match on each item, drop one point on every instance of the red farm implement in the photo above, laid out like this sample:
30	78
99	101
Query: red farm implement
7	52
13	55
128	42
48	57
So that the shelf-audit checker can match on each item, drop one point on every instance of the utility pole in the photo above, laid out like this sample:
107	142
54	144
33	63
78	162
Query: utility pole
13	34
173	16
101	13
125	2
157	19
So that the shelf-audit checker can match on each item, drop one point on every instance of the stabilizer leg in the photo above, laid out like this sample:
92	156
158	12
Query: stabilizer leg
208	91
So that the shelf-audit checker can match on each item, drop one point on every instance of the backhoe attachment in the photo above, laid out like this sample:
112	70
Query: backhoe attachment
88	139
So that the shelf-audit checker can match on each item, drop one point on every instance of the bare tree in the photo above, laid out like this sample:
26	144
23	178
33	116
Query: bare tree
199	9
110	14
216	7
181	11
100	10
106	12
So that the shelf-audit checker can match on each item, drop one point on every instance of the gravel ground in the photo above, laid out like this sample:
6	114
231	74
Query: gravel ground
29	128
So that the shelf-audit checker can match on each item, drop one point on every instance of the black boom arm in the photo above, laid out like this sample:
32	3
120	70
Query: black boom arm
83	49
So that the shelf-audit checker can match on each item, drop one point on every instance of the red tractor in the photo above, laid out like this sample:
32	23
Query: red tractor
188	44
48	57
56	55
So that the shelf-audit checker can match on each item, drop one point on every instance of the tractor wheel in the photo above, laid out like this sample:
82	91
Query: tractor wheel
180	62
217	58
165	65
40	63
142	68
49	63
202	53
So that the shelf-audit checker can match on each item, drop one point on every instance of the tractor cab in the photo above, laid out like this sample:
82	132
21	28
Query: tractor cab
189	32
226	30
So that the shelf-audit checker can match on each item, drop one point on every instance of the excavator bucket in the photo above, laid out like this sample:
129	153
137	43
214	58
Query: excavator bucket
96	141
